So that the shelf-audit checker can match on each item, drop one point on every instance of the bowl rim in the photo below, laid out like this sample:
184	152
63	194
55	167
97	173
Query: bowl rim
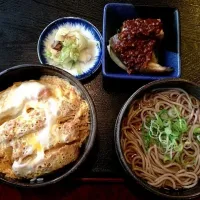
117	135
91	137
95	67
145	77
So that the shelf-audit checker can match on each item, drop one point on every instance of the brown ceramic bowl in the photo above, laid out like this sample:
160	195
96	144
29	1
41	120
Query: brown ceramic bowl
31	71
192	89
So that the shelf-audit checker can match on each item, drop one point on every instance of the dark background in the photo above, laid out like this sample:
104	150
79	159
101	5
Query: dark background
21	23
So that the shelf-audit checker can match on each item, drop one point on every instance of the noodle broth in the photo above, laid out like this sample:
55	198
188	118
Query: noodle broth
160	138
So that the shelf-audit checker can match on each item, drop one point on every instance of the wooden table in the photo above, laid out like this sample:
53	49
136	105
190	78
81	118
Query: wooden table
21	23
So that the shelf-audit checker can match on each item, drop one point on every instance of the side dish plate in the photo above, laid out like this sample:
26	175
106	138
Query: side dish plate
84	25
116	13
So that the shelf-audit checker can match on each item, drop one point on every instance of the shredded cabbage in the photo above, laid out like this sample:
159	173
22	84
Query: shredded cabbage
48	54
74	46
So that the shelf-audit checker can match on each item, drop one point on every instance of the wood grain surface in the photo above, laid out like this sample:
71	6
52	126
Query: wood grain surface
21	23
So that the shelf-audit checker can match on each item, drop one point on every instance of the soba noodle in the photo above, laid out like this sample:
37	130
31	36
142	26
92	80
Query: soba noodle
161	139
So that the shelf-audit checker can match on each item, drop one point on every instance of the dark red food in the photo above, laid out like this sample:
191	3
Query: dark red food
57	45
136	42
141	28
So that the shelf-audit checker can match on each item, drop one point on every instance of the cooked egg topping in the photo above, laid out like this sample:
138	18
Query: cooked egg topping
17	96
34	118
39	142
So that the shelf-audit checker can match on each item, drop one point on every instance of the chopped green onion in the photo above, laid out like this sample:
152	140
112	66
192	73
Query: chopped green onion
166	158
165	130
198	138
172	113
179	148
197	130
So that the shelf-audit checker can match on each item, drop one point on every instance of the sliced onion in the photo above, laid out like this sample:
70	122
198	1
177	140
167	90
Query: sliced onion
115	58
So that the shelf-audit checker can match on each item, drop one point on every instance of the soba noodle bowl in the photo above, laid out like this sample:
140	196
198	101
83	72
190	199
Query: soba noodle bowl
161	138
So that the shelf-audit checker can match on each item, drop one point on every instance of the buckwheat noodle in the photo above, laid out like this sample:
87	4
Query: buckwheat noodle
148	163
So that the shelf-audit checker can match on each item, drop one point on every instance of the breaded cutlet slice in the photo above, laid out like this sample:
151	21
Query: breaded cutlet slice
63	88
6	163
65	133
20	126
54	159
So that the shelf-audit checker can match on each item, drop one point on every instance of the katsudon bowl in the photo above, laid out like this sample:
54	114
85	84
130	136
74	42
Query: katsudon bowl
34	72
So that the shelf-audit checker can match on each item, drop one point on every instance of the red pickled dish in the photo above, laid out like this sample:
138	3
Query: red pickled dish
136	42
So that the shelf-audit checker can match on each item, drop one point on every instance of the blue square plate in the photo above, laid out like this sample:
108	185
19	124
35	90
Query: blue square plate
116	13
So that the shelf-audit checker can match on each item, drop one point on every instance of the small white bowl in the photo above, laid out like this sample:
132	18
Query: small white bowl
72	21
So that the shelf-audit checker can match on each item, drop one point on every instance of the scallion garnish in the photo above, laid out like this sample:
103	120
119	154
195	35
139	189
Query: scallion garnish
165	130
